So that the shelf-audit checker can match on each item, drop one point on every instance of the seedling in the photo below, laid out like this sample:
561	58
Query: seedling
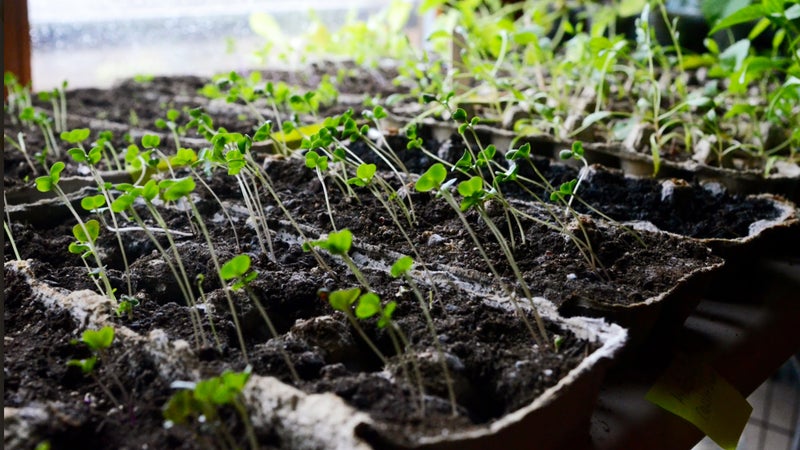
99	342
148	193
338	243
44	122
401	268
126	306
571	187
434	180
86	233
18	99
171	122
19	144
58	99
320	164
344	300
97	203
238	271
368	305
198	405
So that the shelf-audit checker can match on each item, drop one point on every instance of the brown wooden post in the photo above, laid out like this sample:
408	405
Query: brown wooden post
17	40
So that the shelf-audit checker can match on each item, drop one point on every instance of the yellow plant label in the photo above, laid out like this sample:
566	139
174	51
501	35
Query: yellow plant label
295	136
693	390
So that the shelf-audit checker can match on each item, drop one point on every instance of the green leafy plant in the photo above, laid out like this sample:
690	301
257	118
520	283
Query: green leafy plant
58	99
99	342
125	204
402	268
20	145
18	98
569	188
86	233
434	180
237	270
200	407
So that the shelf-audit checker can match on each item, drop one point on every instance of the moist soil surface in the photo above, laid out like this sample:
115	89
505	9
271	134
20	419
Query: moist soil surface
495	362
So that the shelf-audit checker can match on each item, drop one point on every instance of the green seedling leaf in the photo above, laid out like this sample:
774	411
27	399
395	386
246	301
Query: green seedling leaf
460	115
211	391
76	248
235	381
27	114
221	390
379	112
509	175
245	280
77	154
235	161
86	365
93	202
432	179
92	227
486	155
369	304
176	189
314	161
401	266
524	152
366	171
95	155
151	141
183	157
263	132
45	183
472	191
132	154
339	242
565	190
236	267
364	175
746	14
386	314
470	187
76	136
465	162
339	154
414	144
173	115
557	342
98	339
126	305
150	190
342	300
577	149
180	407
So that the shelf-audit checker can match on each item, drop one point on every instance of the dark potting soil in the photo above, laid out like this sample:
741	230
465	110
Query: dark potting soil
696	211
493	358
